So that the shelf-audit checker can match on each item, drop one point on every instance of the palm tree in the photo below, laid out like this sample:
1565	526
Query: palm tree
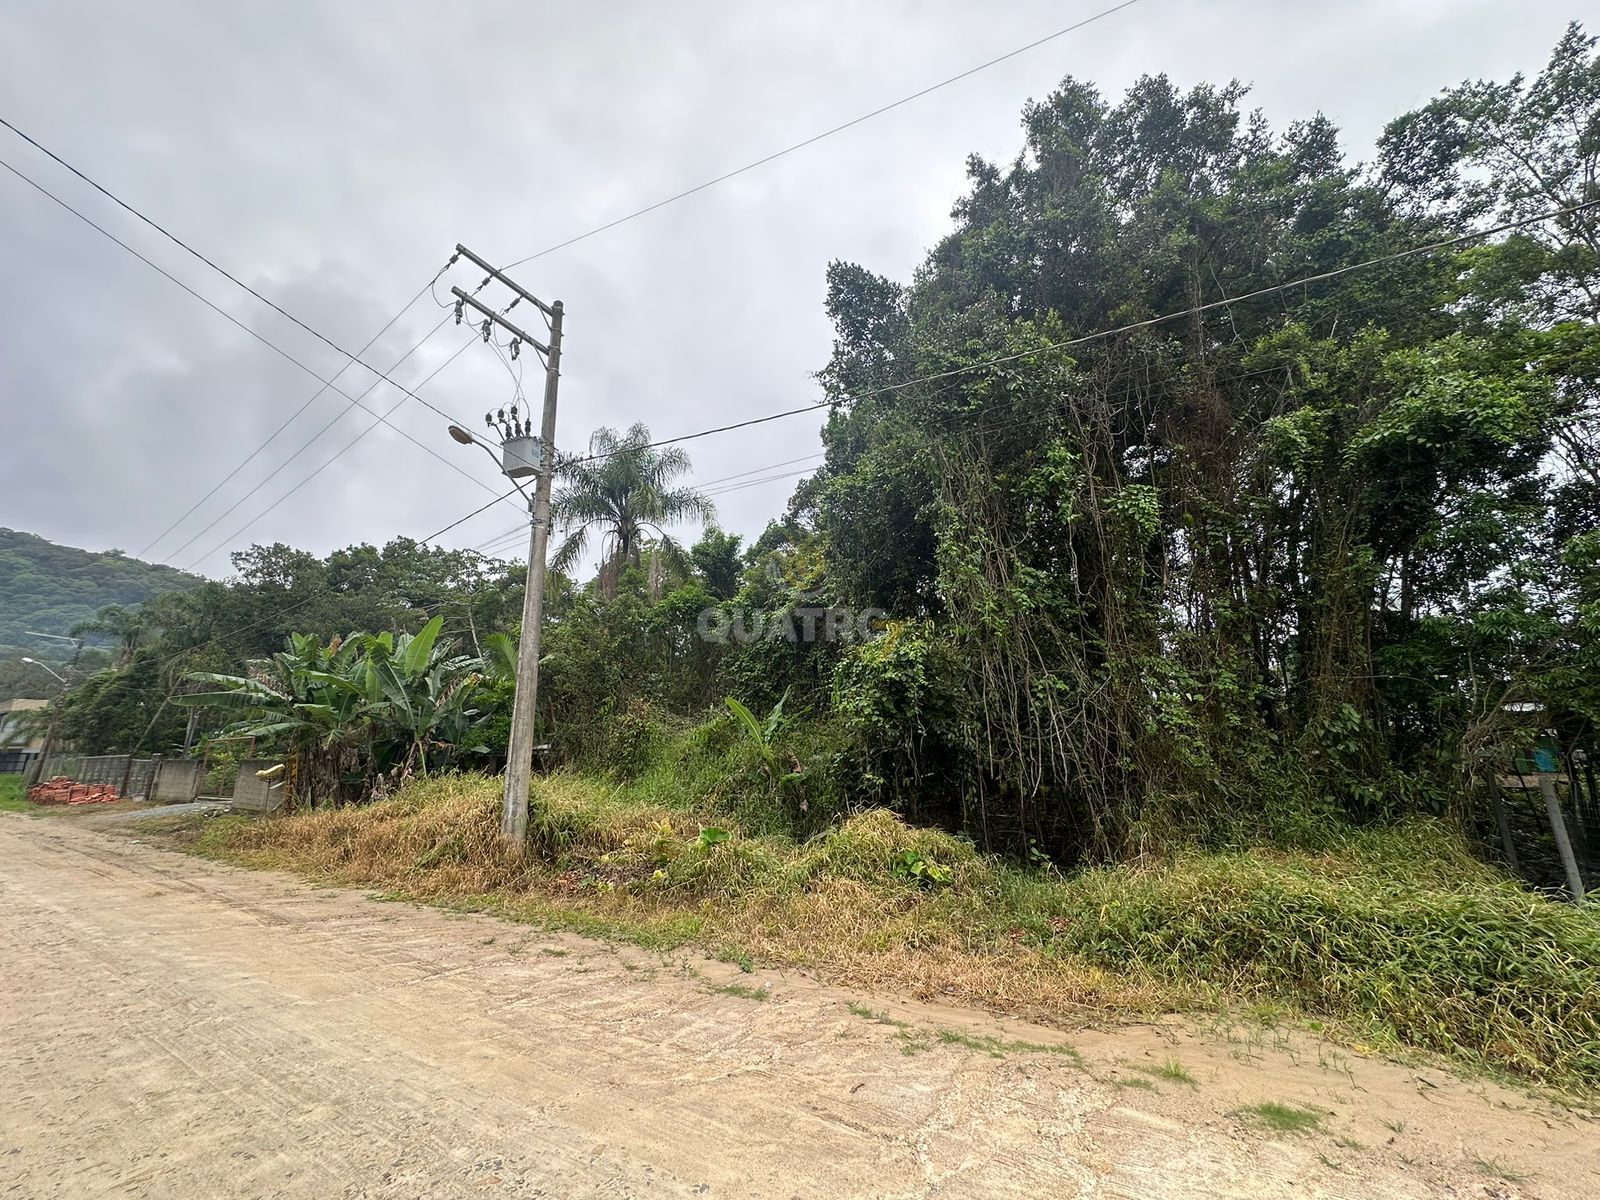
128	625
623	489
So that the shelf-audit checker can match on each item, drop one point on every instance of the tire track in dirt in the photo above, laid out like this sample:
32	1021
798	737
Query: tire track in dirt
180	1027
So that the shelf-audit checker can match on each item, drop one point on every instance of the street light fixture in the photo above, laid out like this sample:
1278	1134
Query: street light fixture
50	729
467	439
35	662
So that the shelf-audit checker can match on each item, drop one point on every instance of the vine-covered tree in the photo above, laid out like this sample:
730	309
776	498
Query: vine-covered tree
1252	552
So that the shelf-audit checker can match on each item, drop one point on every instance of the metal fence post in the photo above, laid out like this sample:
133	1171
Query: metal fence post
1558	826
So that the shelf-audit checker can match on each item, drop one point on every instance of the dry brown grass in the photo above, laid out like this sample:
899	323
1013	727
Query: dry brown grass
600	865
1397	938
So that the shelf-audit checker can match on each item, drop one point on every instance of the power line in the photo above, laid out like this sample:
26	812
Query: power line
750	483
226	274
659	204
355	358
1133	326
307	479
307	445
276	349
1305	281
351	359
304	446
827	405
500	539
273	436
788	462
482	508
826	133
125	677
999	427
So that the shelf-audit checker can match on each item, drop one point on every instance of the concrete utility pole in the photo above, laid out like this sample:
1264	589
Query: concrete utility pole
514	463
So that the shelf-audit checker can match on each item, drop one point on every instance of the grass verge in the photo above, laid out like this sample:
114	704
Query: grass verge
1395	938
13	794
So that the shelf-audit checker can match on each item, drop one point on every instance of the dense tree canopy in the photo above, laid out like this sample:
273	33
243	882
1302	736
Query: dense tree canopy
1324	533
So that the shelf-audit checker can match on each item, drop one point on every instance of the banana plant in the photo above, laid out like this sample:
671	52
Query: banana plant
363	704
419	692
762	735
303	697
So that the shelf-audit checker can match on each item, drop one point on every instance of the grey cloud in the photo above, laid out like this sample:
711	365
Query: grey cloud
332	154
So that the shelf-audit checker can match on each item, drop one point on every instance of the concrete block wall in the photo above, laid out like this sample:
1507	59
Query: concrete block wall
177	781
256	795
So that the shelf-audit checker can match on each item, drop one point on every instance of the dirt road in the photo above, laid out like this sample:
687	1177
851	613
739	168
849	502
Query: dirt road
174	1028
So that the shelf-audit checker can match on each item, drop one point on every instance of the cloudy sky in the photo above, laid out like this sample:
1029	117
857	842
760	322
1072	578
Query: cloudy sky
333	154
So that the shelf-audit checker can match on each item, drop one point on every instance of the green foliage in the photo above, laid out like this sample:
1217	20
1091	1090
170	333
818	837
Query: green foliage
1283	1118
121	711
1288	565
1405	929
715	558
355	708
761	735
898	697
743	991
1390	937
710	836
12	794
1293	552
623	491
1172	1070
913	866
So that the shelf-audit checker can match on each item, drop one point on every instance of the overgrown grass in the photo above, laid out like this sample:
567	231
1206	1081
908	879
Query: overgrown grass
1283	1118
13	794
1398	937
1171	1070
742	991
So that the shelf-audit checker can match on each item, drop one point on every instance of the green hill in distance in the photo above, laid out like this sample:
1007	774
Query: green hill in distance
49	588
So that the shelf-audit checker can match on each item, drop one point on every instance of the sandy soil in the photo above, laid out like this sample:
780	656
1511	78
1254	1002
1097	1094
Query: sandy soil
175	1028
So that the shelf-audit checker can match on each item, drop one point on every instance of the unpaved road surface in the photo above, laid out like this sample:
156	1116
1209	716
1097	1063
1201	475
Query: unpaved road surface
175	1028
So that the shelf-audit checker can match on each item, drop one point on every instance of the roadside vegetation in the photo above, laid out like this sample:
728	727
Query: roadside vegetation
1389	938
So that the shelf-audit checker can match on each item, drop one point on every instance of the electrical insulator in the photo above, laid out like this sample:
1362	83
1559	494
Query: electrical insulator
459	306
486	328
516	345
